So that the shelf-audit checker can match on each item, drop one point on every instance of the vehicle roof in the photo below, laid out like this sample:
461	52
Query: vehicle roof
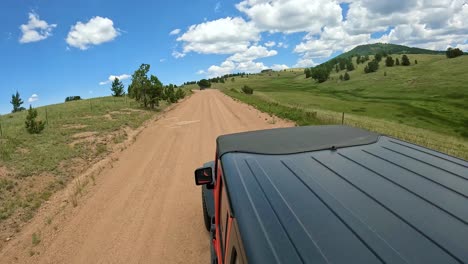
294	139
390	201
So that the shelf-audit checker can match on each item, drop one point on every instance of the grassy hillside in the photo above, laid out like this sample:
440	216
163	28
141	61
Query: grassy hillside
424	103
78	134
372	49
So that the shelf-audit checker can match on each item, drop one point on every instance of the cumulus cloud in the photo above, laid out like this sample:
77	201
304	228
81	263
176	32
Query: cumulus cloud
225	68
432	24
223	36
35	29
279	67
289	16
331	40
33	98
229	66
96	31
175	31
304	63
252	53
112	78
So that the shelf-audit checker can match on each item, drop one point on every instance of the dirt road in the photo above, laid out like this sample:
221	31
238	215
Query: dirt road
146	208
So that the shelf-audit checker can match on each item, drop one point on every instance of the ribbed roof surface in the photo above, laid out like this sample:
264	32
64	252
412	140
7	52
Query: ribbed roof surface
387	202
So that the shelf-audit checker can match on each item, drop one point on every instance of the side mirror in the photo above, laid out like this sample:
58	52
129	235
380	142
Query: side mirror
203	176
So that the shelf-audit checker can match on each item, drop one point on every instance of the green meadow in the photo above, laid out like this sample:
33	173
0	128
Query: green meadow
425	103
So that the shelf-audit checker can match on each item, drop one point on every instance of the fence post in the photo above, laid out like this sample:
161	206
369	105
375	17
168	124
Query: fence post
342	119
1	131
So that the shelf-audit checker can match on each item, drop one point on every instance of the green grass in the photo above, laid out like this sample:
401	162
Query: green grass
77	134
424	103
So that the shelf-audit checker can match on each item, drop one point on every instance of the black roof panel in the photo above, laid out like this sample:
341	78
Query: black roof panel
388	202
294	139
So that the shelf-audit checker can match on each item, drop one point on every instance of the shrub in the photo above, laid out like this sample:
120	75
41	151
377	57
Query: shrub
378	57
32	125
247	90
320	73
72	98
389	61
204	83
405	61
372	66
179	94
453	53
346	77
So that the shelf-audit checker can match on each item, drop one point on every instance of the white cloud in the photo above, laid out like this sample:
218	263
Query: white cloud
96	31
225	68
331	40
33	98
252	53
177	54
229	66
279	67
175	31
162	60
35	29
289	16
112	78
304	63
432	24
251	67
270	44
223	36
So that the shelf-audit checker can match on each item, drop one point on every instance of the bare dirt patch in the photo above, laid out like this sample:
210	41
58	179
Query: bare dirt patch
108	117
77	126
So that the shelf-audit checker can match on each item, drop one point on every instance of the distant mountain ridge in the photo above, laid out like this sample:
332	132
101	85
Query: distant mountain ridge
372	49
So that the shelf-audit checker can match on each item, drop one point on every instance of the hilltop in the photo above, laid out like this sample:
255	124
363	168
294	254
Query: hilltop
372	49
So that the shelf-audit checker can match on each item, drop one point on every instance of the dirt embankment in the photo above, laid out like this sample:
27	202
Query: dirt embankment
144	208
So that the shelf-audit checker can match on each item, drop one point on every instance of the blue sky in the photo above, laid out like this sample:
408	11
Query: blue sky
74	47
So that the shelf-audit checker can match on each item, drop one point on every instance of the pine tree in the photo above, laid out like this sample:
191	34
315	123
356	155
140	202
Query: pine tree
16	102
378	57
117	88
350	66
397	62
346	76
405	60
389	61
32	125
